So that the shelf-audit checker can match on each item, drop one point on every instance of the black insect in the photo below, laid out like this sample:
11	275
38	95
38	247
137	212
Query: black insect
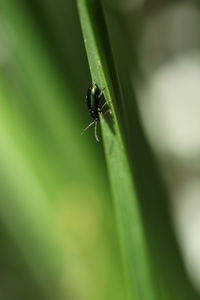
93	103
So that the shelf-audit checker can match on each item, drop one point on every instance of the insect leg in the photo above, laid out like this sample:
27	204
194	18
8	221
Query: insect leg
107	112
101	93
106	103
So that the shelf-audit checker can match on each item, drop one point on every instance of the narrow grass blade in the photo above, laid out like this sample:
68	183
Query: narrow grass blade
139	277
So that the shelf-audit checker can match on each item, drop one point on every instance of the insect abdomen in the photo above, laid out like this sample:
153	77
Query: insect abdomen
93	101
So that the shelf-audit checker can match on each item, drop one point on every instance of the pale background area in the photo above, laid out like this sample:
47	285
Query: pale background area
170	109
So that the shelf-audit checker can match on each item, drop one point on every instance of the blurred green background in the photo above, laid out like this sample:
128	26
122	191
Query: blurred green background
57	226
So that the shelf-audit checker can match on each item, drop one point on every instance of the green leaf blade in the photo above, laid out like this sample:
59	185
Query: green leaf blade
139	277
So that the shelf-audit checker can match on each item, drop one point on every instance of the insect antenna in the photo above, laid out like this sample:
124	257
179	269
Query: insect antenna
93	122
95	131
